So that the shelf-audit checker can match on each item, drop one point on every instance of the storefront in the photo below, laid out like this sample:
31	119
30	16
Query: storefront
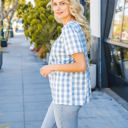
109	48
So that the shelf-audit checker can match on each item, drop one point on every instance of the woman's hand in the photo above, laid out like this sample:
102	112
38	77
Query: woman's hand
44	71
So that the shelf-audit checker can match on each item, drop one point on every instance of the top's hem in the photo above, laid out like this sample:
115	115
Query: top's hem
86	102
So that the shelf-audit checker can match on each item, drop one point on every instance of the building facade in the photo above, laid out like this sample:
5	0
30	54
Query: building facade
109	45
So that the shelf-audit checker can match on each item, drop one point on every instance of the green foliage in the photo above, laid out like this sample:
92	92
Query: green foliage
1	27
0	48
39	23
42	52
88	11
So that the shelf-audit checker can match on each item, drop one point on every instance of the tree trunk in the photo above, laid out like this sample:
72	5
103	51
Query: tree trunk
9	20
7	33
9	25
1	17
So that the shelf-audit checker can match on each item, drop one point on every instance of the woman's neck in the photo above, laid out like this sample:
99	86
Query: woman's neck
67	19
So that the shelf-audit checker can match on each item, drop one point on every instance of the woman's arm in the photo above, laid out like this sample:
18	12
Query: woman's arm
80	65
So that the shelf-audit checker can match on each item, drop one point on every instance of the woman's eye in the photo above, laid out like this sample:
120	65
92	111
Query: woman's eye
54	4
63	3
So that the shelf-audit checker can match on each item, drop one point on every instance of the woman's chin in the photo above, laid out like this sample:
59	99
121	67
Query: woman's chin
60	17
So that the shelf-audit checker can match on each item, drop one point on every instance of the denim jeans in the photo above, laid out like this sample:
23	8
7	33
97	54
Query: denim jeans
61	116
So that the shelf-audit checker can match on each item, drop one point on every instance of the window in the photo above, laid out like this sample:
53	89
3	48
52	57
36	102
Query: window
118	21
117	47
125	24
118	61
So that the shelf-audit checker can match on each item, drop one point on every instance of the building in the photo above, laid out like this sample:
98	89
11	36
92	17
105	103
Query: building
109	45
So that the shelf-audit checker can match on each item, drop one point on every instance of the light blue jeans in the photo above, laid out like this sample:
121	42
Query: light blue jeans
61	116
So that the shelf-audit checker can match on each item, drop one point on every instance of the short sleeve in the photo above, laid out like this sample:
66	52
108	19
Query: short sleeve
72	40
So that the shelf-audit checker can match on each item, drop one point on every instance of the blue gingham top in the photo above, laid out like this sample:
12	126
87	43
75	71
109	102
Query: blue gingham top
69	88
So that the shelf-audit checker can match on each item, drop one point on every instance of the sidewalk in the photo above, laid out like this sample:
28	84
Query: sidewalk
25	94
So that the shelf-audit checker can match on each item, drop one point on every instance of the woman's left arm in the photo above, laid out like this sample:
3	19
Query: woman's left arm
79	65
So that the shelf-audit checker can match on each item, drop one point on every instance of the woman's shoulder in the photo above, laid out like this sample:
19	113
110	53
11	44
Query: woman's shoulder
73	25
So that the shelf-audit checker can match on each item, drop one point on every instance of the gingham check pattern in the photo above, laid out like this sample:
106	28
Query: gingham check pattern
70	88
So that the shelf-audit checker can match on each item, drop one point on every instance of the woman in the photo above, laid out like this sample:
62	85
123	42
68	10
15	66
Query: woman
68	67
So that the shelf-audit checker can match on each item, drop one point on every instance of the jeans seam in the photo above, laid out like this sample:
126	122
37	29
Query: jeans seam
62	116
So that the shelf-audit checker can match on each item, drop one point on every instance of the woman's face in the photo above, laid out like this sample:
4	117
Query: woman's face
61	9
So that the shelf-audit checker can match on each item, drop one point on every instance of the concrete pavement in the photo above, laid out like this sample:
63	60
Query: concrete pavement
25	94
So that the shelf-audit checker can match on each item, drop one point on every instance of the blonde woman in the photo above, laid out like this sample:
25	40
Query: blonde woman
68	68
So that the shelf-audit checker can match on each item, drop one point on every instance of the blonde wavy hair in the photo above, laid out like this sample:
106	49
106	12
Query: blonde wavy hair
77	11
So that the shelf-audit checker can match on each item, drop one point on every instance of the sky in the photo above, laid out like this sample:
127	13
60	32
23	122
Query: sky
32	1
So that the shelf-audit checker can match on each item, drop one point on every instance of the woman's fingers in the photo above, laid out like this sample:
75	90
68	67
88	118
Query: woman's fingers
44	74
44	71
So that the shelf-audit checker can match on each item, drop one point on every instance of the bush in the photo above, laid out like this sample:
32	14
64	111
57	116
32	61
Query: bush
43	51
39	24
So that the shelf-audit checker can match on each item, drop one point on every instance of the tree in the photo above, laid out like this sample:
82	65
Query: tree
117	32
8	8
125	24
39	24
